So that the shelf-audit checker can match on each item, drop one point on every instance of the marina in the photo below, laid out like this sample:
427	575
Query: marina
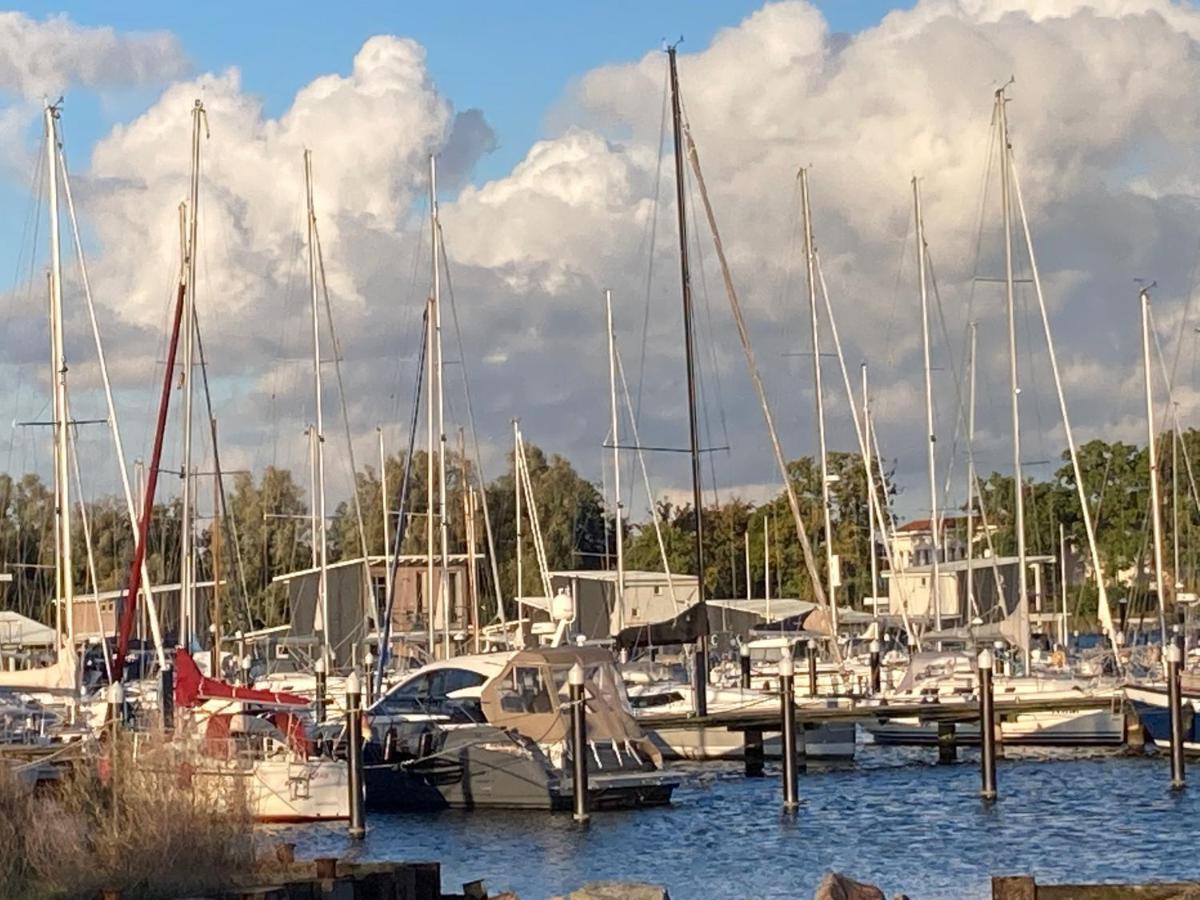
530	573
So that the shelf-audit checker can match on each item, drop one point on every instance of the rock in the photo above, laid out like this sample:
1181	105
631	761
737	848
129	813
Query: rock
619	890
838	887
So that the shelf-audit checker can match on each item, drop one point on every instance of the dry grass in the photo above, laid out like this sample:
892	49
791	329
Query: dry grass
145	828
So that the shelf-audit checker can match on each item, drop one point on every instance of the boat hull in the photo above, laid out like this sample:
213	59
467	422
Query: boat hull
824	742
1153	711
1056	728
485	767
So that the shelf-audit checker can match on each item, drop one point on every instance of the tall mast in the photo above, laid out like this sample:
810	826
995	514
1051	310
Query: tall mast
65	570
971	480
1178	581
701	656
318	422
186	568
1062	577
616	449
934	523
429	509
519	590
746	543
1152	452
443	521
767	564
218	615
810	257
1014	384
383	502
869	466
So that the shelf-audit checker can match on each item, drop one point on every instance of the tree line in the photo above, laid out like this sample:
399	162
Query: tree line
268	530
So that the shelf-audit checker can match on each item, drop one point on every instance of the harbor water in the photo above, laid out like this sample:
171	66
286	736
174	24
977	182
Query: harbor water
894	818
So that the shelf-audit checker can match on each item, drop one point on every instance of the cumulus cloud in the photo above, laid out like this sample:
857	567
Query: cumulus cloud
1105	126
45	57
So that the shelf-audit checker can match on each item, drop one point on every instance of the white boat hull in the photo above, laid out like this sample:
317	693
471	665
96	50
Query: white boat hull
282	791
1056	728
835	741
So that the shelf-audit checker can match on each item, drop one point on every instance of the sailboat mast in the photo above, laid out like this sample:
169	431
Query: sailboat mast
65	570
971	479
1062	577
810	257
934	522
186	568
1014	384
616	449
767	564
1152	452
520	585
443	521
869	466
701	656
318	417
383	502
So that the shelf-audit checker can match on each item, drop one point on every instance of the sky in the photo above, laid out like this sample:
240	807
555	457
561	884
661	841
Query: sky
553	186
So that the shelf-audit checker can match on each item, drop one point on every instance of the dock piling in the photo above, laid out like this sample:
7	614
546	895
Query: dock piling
116	706
754	753
812	667
987	726
166	697
947	743
787	703
579	748
355	753
875	680
744	656
1174	659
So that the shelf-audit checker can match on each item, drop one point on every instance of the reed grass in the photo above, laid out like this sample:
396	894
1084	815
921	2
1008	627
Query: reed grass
138	823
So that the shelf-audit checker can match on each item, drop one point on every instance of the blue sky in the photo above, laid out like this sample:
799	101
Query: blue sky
512	60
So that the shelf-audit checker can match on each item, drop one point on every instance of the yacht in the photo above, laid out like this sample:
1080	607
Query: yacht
492	730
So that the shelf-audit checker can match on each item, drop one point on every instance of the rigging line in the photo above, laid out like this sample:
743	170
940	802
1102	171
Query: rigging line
480	477
110	405
408	306
84	518
285	320
756	377
652	230
641	458
337	368
225	515
862	438
1174	410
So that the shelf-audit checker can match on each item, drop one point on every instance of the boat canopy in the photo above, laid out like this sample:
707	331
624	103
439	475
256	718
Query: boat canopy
531	696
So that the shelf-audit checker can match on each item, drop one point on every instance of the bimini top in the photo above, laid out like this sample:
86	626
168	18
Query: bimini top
531	696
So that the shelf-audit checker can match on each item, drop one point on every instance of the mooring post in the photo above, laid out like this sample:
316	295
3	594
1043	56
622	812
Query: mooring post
579	747
947	741
369	679
166	696
875	680
319	695
812	667
744	656
1174	659
116	706
754	753
355	753
787	704
987	726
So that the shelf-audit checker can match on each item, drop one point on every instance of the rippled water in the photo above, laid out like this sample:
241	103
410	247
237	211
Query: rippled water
893	819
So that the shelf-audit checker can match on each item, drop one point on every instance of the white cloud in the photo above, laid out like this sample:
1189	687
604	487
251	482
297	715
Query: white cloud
1104	125
46	57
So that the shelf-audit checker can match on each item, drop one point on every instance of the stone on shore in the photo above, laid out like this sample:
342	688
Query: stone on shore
838	887
618	890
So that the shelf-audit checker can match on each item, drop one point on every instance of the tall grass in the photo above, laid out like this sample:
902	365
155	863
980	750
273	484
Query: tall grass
134	822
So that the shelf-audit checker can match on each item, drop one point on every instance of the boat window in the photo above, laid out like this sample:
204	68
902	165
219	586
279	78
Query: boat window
647	701
447	681
531	690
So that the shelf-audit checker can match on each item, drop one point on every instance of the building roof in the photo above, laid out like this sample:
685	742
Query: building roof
24	631
978	564
631	575
924	525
